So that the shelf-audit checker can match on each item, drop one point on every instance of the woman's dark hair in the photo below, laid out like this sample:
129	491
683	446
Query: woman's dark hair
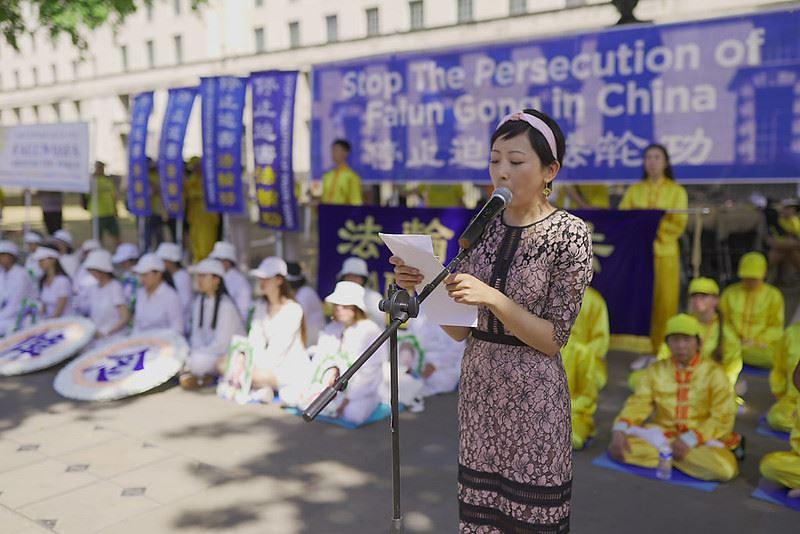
168	278
295	270
511	129
344	143
59	270
667	169
221	293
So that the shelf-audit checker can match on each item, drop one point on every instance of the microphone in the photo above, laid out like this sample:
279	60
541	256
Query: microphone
490	210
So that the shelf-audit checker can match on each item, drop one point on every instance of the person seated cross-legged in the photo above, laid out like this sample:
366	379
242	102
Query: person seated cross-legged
692	406
784	467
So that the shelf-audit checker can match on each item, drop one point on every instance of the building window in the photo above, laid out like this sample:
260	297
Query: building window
332	26
35	110
16	79
259	3
57	111
575	3
123	54
178	40
294	34
18	115
517	7
151	54
54	72
149	8
465	11
78	111
373	22
35	73
177	4
258	37
417	14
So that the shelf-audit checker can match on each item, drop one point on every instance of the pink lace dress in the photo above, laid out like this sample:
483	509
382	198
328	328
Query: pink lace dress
515	454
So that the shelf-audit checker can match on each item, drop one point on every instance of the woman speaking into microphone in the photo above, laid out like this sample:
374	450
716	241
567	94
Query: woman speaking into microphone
527	276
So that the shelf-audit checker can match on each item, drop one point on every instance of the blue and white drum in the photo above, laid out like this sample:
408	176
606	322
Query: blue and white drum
123	367
44	344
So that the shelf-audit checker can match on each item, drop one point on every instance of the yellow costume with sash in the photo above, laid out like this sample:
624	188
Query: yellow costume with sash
756	315
591	332
781	414
692	402
579	365
662	194
784	467
341	186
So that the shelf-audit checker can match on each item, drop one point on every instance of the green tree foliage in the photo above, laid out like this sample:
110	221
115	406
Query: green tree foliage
74	18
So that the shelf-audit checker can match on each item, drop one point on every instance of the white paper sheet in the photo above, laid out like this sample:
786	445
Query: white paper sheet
417	250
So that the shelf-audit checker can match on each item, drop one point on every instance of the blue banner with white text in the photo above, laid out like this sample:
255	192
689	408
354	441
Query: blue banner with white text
273	131
723	95
222	107
138	185
623	258
170	153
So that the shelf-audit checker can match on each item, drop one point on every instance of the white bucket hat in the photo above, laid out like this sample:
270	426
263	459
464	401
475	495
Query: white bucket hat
99	260
169	252
149	262
269	267
348	294
125	252
9	247
90	245
355	266
42	253
208	266
32	238
223	251
64	236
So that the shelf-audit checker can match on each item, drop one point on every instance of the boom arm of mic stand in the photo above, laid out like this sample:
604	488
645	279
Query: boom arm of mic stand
433	284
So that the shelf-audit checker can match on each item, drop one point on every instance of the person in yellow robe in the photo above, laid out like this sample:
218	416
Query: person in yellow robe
781	414
659	190
755	311
579	364
703	304
583	196
592	334
341	185
784	467
690	404
203	225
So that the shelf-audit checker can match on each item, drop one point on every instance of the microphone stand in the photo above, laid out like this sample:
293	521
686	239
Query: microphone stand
401	306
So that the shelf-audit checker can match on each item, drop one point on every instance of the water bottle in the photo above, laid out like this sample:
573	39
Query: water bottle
664	470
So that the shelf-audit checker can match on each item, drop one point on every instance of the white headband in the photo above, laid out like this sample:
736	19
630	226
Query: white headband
537	124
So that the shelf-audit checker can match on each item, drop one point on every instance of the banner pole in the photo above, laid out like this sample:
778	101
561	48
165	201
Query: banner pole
95	211
26	223
179	231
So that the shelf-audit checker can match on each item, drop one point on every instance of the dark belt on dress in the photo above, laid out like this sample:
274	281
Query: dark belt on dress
500	339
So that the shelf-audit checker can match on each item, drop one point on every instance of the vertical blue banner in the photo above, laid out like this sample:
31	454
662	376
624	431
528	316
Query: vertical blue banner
170	152
138	186
223	105
273	129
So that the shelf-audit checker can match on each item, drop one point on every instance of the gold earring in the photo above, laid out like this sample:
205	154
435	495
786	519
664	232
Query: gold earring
547	191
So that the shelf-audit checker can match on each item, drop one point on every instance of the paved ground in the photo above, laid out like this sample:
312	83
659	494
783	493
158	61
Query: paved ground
173	461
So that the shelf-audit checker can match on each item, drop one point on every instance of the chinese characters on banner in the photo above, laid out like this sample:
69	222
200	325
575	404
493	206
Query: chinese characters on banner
723	96
619	253
222	108
170	153
138	185
273	129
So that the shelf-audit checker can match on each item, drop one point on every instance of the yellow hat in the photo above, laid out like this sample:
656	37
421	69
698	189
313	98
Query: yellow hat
683	323
704	286
753	265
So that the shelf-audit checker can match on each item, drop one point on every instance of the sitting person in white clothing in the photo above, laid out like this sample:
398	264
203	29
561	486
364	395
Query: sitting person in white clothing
276	334
157	303
305	295
346	338
55	287
16	286
107	307
83	281
239	287
356	270
32	240
215	320
172	255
